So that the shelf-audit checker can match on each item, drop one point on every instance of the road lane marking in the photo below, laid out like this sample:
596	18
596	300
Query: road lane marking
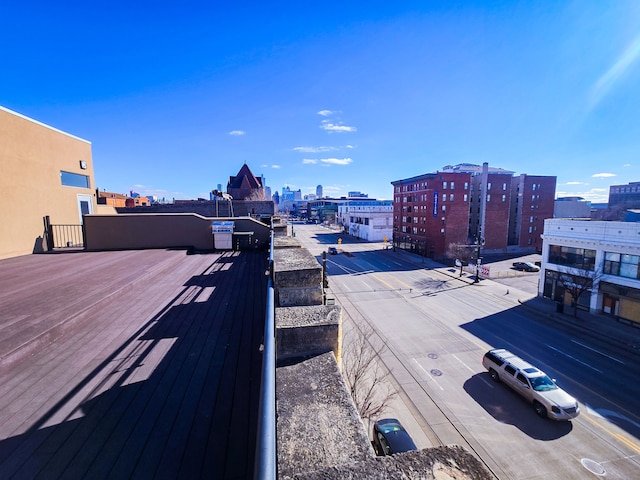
574	358
464	364
598	351
629	443
395	279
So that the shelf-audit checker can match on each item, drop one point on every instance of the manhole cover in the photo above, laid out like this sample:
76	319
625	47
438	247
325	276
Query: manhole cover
593	466
436	373
433	355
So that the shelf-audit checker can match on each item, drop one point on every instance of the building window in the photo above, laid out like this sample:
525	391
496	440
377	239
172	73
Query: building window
622	265
504	198
504	186
488	198
466	197
444	208
489	186
451	197
466	185
366	221
582	258
451	185
444	185
69	179
530	219
444	197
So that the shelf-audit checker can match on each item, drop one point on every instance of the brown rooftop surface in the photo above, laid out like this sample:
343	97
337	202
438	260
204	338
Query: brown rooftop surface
131	364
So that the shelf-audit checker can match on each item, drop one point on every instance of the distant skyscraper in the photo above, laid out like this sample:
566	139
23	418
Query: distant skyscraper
319	191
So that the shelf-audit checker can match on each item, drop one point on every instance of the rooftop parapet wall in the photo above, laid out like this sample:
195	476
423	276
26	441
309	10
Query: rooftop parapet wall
297	278
209	208
308	330
181	230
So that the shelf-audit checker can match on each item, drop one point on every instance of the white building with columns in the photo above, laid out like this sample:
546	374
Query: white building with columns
608	253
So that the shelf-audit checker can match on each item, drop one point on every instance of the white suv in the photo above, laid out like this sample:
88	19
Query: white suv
547	398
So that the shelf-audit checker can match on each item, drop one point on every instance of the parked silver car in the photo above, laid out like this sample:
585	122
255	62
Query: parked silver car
548	400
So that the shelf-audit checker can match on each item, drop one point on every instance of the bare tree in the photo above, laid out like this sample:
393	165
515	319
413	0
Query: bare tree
464	253
577	282
364	373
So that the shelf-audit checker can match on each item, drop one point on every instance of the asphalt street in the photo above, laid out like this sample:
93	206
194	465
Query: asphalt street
435	327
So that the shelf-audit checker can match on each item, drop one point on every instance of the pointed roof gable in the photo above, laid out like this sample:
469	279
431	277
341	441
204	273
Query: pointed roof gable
245	178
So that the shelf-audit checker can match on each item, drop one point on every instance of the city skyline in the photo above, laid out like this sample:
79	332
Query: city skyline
175	98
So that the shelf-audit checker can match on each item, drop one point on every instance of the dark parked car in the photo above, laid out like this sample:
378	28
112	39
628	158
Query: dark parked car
526	266
333	251
390	437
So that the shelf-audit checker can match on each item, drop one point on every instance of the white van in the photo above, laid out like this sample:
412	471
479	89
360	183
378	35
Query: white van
548	400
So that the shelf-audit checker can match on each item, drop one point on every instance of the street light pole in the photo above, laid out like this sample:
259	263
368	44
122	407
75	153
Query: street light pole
479	242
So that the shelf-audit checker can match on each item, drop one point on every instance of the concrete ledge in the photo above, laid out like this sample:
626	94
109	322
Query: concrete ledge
286	242
438	463
308	330
297	277
320	435
317	423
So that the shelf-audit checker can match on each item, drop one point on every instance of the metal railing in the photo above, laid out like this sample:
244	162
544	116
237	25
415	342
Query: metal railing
265	467
63	236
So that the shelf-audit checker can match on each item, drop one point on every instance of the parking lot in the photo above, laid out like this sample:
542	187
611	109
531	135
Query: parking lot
503	272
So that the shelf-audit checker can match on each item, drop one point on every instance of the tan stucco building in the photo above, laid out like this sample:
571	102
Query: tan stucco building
45	172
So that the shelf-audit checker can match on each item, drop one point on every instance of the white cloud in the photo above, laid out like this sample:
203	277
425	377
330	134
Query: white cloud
314	149
576	183
349	146
326	113
336	161
332	127
627	165
309	161
275	166
237	133
603	175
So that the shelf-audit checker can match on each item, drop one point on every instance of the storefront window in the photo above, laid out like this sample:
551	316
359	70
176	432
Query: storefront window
582	258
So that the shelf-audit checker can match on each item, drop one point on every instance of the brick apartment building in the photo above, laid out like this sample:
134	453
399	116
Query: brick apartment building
431	211
534	197
465	204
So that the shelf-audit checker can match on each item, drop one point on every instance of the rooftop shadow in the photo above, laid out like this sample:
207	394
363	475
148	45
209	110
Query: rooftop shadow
177	399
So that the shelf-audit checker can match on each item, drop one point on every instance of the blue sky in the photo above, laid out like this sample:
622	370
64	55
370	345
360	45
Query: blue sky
176	96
